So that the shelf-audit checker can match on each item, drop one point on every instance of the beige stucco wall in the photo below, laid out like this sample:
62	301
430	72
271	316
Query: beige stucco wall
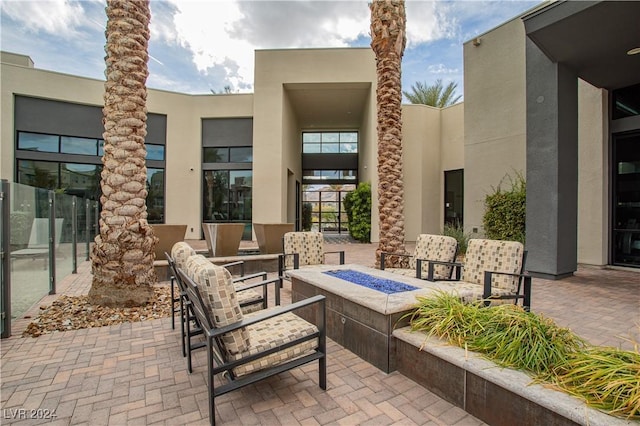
276	133
421	163
183	173
494	116
184	148
593	180
21	80
452	146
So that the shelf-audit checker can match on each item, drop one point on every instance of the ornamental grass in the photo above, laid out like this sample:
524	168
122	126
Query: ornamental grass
606	378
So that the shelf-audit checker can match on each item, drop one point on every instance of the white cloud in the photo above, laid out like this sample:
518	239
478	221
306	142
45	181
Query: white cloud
52	16
428	21
441	69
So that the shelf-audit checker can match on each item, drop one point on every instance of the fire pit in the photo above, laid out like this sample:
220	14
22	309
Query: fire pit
363	307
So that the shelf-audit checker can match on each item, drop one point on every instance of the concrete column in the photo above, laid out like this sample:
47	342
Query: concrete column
552	166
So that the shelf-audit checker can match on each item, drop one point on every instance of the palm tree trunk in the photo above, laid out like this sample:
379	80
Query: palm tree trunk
388	41
123	253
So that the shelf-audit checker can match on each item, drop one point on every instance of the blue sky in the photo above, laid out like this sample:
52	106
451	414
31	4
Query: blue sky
202	46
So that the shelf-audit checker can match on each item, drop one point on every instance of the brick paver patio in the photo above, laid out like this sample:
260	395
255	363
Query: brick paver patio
135	374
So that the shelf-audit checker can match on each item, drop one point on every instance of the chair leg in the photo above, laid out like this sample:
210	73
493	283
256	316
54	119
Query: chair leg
173	305
183	319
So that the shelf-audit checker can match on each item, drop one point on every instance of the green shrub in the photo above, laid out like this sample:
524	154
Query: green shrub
456	231
306	216
505	212
357	204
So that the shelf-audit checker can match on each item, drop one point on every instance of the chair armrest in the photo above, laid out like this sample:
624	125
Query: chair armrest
340	252
236	263
264	285
384	254
250	276
281	262
264	315
522	278
431	268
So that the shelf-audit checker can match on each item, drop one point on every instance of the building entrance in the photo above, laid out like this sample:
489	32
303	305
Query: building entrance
626	199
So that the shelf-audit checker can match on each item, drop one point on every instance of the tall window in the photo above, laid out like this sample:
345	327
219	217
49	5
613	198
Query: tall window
73	164
227	163
227	195
329	142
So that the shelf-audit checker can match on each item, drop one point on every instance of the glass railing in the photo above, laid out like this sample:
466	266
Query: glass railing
44	236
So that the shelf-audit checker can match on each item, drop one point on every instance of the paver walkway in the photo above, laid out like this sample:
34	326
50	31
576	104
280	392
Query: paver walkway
135	374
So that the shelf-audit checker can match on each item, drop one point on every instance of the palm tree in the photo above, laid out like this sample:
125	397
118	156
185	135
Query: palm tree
123	254
435	95
388	41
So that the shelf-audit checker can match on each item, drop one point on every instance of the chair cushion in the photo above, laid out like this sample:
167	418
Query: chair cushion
220	301
180	252
434	247
272	333
309	245
471	292
245	296
493	255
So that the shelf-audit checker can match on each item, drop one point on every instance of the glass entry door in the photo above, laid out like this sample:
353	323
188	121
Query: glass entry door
626	199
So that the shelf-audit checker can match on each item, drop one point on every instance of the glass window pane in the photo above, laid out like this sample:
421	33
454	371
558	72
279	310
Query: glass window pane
241	155
349	137
82	180
155	195
330	137
311	148
100	147
240	194
37	142
40	174
85	146
216	194
330	148
311	137
155	152
349	148
330	174
348	174
626	102
215	155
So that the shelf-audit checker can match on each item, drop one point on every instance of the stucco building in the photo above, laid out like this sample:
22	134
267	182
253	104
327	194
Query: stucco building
534	104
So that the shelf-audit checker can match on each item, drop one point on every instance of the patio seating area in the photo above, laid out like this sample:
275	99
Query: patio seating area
134	373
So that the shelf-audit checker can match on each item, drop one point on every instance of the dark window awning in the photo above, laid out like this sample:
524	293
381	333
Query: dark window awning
590	37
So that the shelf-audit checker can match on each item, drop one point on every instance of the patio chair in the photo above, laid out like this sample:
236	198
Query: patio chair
428	248
246	349
38	245
303	249
493	271
250	299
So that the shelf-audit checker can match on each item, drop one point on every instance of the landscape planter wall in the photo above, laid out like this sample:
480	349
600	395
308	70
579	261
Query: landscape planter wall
269	236
495	395
223	239
167	235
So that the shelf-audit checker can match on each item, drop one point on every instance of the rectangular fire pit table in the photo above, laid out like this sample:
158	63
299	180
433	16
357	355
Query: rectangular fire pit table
359	318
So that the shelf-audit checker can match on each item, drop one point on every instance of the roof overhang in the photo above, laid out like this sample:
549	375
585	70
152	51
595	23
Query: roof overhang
590	37
329	105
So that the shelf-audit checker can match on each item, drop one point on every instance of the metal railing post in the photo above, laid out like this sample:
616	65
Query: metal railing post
5	269
87	226
74	233
52	244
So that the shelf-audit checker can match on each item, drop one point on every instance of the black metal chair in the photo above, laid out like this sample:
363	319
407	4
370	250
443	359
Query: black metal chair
303	249
246	349
251	300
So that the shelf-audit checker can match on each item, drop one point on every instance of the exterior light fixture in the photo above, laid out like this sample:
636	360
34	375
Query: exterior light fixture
633	51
